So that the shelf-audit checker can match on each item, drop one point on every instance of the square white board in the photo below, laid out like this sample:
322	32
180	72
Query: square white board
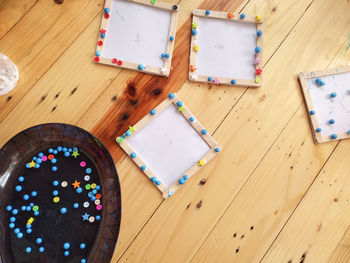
226	49
327	96
138	35
169	145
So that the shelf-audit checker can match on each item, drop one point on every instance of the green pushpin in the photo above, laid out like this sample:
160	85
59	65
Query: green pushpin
120	139
153	2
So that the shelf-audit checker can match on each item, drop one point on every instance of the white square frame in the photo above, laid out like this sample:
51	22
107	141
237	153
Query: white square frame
103	34
235	17
303	78
173	99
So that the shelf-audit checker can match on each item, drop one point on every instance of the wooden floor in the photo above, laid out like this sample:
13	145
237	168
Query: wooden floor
270	196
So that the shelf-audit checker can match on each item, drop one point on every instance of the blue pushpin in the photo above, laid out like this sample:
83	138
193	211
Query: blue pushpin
233	82
37	166
66	245
181	181
259	33
59	148
54	168
331	121
34	158
21	179
82	246
53	160
194	32
39	161
318	130
185	177
17	230
75	149
64	149
25	197
158	182
27	165
75	205
55	152
204	132
153	179
171	96
207	12
83	260
88	170
63	210
128	133
66	154
66	253
217	149
36	213
28	250
50	150
8	208
23	208
334	136
333	95
55	183
242	16
12	219
79	190
39	240
28	208
171	38
191	119
41	249
312	112
143	167
152	112
19	235
98	217
106	10
98	53
257	49
29	231
34	193
55	193
40	155
179	103
94	191
103	35
140	67
210	78
14	211
133	155
11	225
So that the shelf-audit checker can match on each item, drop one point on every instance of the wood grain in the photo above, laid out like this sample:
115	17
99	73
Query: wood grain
253	201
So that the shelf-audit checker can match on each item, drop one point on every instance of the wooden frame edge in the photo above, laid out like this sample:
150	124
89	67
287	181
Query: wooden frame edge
173	100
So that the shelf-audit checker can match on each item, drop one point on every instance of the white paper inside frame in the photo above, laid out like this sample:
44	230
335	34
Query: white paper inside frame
169	145
226	48
137	33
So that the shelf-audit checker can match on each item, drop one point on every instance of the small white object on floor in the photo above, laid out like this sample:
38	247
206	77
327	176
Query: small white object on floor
8	75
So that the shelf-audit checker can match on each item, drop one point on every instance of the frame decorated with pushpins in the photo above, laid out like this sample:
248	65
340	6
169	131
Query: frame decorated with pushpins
226	48
169	145
138	35
327	98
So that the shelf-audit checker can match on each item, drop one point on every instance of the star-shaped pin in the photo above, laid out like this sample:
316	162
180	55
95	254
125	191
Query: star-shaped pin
216	81
32	164
257	80
85	217
258	71
75	154
201	162
76	184
193	68
181	108
131	128
103	31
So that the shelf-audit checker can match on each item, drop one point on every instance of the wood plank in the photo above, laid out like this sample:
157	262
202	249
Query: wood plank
342	252
319	223
39	39
274	189
11	12
246	134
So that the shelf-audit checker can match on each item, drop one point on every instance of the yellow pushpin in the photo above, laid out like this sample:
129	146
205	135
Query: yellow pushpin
30	221
258	18
181	108
194	25
201	162
196	48
131	128
56	199
257	80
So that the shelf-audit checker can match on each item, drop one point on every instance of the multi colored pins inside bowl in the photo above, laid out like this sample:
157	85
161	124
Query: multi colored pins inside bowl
60	198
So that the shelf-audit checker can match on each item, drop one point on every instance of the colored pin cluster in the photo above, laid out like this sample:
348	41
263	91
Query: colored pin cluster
32	210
